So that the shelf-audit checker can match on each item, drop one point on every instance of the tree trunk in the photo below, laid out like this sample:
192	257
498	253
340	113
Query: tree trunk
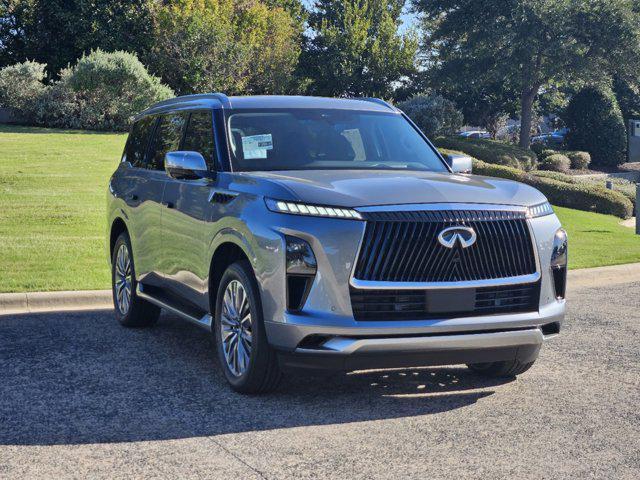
526	116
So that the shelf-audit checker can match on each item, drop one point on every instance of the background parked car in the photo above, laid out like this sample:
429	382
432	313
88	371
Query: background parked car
553	139
475	134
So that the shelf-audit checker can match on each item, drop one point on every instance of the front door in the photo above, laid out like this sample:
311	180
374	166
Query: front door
187	210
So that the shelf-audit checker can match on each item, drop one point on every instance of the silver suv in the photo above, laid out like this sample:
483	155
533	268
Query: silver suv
328	234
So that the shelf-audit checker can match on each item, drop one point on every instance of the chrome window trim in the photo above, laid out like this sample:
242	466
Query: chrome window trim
493	282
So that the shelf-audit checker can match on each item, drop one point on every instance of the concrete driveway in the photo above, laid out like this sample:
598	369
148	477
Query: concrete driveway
81	397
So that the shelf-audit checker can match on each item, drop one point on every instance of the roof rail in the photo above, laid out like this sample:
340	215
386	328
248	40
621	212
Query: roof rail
223	99
379	101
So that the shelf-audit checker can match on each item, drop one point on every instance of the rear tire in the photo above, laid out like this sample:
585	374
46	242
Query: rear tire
249	363
131	311
506	369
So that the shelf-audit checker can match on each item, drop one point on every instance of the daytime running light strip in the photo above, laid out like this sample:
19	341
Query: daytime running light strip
312	210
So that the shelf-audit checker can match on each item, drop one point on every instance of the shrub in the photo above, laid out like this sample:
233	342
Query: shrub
556	163
538	148
579	160
562	177
103	91
545	153
578	195
596	126
60	107
490	151
500	171
583	197
21	85
435	115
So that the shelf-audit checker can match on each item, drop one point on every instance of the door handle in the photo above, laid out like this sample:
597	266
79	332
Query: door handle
168	204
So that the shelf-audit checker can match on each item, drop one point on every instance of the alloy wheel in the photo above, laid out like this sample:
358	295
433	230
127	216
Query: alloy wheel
123	279
236	328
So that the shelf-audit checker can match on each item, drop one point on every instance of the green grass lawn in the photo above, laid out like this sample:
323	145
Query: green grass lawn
596	240
53	187
52	221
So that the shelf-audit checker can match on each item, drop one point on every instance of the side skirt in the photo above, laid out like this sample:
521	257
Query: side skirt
158	297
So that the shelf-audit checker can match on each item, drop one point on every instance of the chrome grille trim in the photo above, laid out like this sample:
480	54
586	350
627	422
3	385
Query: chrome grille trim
384	261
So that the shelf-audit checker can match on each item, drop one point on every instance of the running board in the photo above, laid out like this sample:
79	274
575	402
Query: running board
203	322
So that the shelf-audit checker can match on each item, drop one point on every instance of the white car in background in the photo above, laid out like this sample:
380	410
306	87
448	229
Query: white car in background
475	134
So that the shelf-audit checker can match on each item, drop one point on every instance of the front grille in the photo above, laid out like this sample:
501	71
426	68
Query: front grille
404	247
450	303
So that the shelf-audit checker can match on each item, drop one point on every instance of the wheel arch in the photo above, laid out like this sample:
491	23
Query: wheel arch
227	252
118	226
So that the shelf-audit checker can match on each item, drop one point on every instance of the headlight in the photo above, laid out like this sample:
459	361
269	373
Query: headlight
559	260
311	210
539	210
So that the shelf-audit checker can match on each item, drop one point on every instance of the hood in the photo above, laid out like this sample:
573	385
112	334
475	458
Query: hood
360	188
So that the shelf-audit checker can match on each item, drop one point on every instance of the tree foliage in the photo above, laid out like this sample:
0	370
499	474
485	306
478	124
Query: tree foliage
528	44
434	114
355	48
58	32
221	45
596	126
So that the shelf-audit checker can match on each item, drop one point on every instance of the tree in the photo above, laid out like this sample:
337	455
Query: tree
627	92
58	32
529	43
434	114
221	45
355	48
596	126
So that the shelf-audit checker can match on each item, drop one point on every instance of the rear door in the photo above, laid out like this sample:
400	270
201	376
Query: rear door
142	187
185	216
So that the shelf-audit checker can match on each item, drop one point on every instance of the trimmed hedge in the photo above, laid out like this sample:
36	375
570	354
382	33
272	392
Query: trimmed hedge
561	177
490	151
555	163
579	160
578	195
547	152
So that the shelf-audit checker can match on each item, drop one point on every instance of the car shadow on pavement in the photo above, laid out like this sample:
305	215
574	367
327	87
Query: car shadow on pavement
78	377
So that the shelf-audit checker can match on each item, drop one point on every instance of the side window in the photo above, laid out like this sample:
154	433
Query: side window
199	137
167	139
137	143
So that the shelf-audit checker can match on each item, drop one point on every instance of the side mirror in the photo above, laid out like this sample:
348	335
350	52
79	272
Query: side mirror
185	165
460	163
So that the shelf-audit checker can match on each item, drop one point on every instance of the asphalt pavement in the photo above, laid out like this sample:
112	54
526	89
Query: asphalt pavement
81	397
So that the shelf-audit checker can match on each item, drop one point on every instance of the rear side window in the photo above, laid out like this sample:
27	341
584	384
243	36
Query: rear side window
137	143
199	137
167	139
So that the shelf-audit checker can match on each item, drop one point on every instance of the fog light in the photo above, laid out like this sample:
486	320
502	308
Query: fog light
300	257
301	270
559	259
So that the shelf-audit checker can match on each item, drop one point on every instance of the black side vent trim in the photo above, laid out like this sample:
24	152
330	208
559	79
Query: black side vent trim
222	198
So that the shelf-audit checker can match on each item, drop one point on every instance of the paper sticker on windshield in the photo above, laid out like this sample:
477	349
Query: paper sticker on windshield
256	146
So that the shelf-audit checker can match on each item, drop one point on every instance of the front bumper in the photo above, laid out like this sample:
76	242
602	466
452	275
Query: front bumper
336	345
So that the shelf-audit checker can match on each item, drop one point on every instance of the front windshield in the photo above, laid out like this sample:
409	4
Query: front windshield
310	139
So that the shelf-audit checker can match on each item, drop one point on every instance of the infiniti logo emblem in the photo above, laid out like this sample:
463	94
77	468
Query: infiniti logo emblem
466	236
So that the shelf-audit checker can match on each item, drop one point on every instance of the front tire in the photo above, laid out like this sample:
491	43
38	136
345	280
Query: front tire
506	369
131	311
248	361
